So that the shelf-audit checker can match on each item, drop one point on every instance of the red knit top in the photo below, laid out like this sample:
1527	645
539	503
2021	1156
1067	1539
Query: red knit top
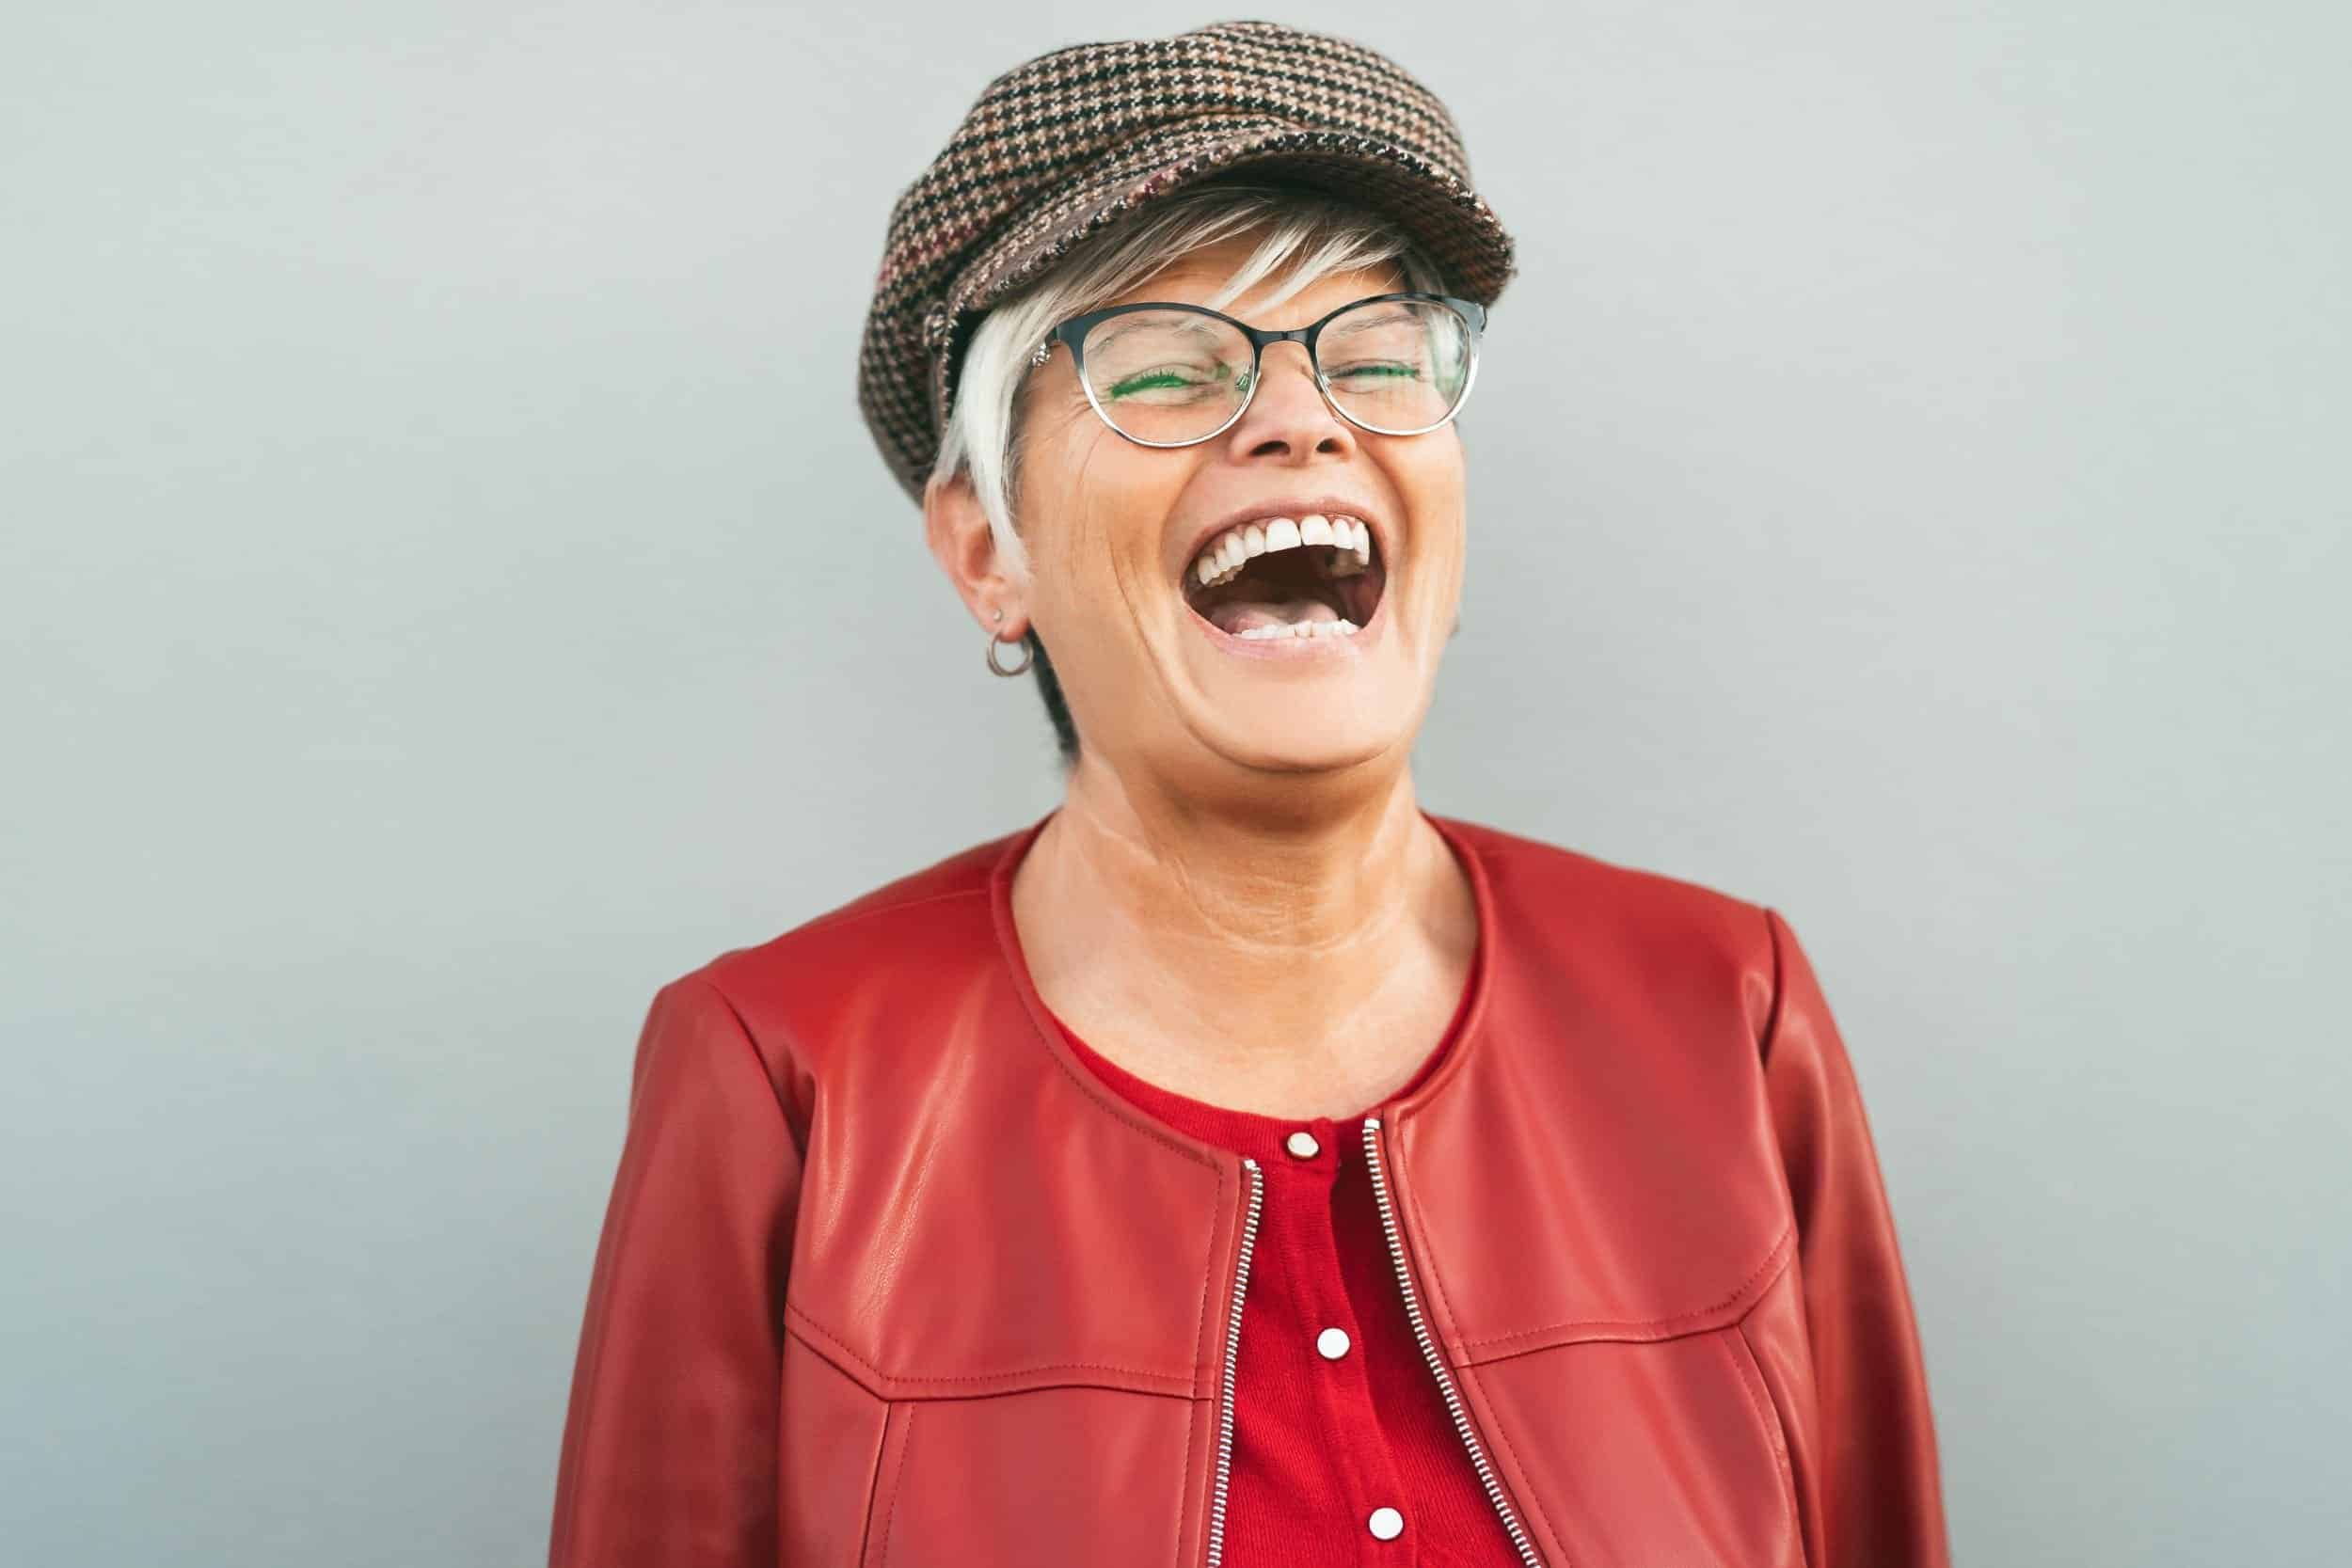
1331	1433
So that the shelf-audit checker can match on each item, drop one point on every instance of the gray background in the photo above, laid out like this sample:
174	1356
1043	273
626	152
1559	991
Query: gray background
448	593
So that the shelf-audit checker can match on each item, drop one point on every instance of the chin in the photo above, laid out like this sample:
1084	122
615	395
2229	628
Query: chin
1278	737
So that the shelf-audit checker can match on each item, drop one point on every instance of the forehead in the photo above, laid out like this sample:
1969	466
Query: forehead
1199	277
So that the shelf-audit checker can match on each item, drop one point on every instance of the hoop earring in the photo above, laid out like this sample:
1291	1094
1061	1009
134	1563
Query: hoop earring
1028	653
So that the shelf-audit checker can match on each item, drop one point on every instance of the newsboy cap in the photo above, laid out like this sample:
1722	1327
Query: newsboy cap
1060	148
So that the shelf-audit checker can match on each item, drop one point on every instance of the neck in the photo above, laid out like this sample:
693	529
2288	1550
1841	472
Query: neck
1263	936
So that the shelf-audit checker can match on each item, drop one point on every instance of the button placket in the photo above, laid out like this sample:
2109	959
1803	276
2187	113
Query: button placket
1340	1391
1373	1483
1381	1524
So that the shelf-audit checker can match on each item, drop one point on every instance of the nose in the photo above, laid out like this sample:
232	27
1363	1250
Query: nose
1287	416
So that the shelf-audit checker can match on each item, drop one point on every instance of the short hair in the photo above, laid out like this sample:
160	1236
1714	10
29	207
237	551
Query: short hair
1316	232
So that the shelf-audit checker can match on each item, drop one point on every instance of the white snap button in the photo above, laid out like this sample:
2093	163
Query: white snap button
1303	1145
1387	1523
1331	1344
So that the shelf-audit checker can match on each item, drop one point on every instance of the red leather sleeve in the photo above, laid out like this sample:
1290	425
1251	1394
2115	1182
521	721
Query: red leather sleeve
1875	1495
669	1456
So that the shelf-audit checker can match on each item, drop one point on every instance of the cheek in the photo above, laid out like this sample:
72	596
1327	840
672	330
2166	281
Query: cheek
1434	470
1431	484
1094	571
1097	512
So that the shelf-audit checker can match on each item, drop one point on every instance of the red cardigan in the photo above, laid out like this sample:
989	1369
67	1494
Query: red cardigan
1320	1442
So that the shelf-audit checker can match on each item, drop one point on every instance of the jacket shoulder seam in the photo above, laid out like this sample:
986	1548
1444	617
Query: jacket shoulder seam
1771	1031
742	1026
777	1081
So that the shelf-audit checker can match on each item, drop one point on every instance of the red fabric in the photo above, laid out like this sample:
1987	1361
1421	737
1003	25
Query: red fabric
1318	1444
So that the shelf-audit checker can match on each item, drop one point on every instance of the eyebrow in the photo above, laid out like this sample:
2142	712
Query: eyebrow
1386	318
1134	321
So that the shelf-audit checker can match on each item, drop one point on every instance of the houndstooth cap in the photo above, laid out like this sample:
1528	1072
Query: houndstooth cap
1061	148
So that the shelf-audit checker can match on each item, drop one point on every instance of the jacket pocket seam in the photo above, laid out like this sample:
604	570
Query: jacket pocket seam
873	1488
880	1555
1750	1374
883	1386
1703	1320
1648	1332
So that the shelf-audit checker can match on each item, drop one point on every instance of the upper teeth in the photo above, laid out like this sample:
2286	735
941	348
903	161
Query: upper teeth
1222	556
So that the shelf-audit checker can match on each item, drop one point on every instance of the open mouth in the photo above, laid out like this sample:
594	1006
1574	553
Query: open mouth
1308	577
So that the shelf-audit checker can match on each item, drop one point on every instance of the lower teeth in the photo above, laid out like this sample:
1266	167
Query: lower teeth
1299	628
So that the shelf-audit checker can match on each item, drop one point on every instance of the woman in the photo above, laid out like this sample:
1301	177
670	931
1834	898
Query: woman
1239	1164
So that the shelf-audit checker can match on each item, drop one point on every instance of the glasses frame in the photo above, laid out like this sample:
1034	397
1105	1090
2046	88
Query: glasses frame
1074	331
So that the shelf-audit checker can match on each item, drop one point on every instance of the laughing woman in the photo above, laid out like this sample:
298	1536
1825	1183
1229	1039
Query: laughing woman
1239	1164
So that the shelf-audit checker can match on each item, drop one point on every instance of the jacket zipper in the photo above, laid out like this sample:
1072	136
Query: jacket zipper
1233	1365
1429	1350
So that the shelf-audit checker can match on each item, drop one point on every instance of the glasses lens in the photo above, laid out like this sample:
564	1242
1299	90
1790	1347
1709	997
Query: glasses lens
1167	376
1398	366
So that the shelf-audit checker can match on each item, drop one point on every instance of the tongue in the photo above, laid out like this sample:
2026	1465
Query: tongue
1239	616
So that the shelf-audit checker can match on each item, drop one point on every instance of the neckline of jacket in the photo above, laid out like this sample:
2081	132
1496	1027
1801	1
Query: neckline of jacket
1390	1112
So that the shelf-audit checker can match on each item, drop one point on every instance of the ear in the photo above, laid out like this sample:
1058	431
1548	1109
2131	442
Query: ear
957	530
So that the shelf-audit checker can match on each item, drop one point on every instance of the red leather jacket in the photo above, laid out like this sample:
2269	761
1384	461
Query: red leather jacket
889	1280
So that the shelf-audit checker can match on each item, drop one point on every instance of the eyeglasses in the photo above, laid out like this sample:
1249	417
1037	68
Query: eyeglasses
1174	376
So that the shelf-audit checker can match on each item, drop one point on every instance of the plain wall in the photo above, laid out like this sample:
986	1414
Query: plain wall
448	591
